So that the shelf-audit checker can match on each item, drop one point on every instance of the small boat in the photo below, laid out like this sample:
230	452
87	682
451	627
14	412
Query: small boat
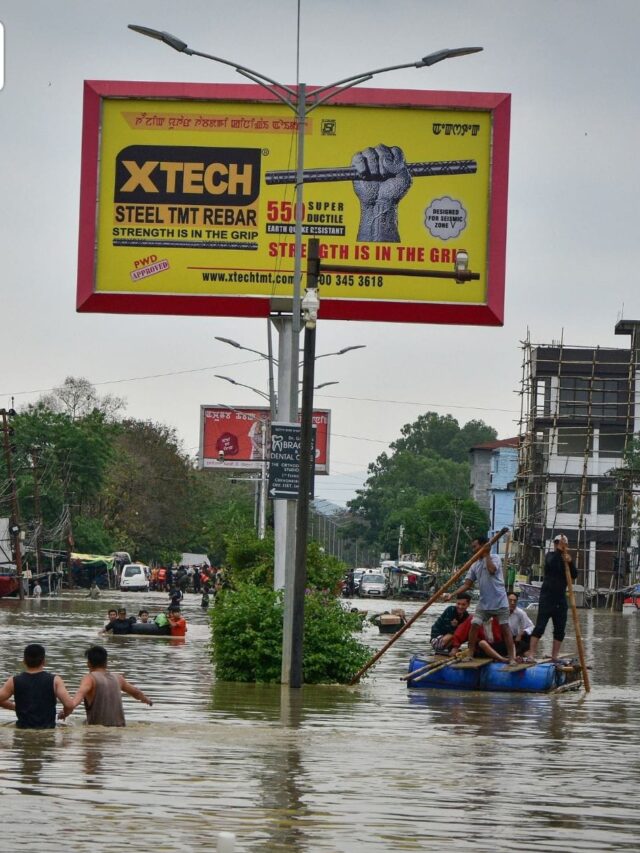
389	623
488	675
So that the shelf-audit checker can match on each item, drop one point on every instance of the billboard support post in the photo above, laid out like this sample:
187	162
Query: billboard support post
306	467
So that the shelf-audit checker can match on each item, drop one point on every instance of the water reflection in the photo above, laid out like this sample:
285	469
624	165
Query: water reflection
367	768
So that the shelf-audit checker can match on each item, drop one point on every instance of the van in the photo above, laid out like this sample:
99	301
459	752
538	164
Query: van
134	578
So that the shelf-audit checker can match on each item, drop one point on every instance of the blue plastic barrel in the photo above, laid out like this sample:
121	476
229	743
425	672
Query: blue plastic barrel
445	678
535	679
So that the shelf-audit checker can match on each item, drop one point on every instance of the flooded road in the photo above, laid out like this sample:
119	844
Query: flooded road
374	767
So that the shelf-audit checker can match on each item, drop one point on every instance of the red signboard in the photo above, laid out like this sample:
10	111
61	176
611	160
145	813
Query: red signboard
237	437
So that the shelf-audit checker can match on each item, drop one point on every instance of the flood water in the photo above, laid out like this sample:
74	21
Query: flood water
375	767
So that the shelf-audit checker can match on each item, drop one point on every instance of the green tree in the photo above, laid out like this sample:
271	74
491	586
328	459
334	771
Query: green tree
429	459
443	436
61	460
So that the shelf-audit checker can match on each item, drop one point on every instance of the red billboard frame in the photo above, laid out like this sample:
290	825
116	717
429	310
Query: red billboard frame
489	313
225	440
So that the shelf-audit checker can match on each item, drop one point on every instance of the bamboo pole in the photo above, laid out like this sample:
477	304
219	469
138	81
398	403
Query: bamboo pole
576	620
458	658
445	586
446	659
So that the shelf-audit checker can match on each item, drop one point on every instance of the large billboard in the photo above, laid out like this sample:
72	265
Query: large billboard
235	437
188	201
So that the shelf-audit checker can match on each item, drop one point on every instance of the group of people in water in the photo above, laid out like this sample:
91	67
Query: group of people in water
34	693
172	622
185	578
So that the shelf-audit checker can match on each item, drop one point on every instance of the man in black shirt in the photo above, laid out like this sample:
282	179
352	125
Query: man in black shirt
122	624
451	617
553	597
35	692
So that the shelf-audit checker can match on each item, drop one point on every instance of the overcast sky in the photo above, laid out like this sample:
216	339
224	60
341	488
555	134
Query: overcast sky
572	67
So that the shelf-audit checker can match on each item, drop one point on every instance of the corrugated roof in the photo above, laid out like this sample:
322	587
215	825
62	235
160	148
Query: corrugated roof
502	442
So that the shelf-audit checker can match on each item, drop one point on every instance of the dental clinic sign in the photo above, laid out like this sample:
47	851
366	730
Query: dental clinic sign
187	203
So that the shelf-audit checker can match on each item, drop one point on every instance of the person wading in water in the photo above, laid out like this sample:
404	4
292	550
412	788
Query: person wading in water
102	692
35	692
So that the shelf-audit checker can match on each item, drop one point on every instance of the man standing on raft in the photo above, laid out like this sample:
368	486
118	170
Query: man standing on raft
487	571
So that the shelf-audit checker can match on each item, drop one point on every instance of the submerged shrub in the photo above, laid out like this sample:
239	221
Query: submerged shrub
246	632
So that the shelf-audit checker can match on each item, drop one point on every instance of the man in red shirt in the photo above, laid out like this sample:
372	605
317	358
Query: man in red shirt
486	645
177	623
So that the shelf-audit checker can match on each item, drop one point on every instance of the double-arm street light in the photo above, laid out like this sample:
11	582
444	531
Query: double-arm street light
271	396
301	101
264	393
275	360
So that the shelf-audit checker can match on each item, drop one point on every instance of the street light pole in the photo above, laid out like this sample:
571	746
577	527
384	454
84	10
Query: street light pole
301	102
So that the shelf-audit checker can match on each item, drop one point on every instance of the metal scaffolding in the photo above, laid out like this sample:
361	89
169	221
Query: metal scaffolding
577	410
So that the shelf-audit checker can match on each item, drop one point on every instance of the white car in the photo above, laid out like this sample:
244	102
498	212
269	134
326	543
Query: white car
373	584
134	578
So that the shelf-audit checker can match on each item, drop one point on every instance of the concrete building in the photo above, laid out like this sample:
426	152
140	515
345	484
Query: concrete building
494	466
579	414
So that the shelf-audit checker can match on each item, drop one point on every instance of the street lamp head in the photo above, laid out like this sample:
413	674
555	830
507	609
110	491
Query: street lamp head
226	378
167	38
229	341
348	349
324	384
446	53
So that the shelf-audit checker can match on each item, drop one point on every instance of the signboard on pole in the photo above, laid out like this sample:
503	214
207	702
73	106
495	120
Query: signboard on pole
187	201
232	437
284	461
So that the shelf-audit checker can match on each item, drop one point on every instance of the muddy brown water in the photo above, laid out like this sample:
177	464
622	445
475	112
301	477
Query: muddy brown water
375	767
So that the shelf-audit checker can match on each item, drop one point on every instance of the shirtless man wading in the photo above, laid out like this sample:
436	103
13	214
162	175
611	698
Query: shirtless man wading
101	691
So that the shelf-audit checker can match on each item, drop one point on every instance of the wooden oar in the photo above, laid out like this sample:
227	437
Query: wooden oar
576	620
445	586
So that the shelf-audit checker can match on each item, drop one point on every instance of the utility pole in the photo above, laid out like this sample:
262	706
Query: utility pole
37	509
70	542
15	509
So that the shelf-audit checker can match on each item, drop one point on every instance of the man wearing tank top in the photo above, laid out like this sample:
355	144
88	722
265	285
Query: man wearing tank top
35	692
101	690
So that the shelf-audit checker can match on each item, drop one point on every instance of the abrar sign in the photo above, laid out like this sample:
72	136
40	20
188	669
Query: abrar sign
187	201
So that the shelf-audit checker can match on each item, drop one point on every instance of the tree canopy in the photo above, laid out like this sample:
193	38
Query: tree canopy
423	485
105	484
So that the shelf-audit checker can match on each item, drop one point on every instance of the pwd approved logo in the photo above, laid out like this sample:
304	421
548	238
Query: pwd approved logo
148	266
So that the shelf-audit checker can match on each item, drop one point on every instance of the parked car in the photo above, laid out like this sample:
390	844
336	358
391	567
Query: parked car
357	575
373	584
134	578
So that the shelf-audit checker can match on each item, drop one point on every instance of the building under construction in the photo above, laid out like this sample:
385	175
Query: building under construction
580	412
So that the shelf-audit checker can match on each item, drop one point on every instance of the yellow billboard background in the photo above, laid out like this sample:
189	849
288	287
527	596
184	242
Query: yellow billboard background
189	225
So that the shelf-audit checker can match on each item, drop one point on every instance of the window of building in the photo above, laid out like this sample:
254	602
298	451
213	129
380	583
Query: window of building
569	496
542	398
606	497
612	443
574	441
581	397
